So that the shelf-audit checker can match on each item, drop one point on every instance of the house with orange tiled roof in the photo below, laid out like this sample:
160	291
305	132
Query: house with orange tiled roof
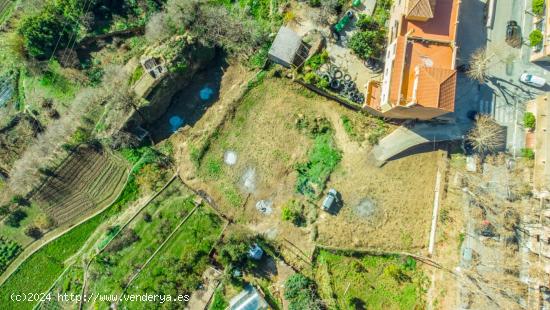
419	79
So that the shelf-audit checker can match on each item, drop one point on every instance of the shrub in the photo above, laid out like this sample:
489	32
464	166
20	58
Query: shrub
292	212
538	7
366	22
368	43
310	77
289	17
314	3
317	60
53	26
528	153
535	38
218	301
322	83
313	174
15	218
529	120
44	222
301	294
20	200
33	232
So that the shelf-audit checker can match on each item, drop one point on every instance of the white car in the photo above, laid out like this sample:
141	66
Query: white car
532	80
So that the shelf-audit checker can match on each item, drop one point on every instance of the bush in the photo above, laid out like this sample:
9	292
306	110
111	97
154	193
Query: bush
529	120
310	77
367	44
322	83
313	174
317	60
535	38
53	26
528	153
20	200
218	301
538	7
314	3
366	22
292	212
15	218
33	232
301	294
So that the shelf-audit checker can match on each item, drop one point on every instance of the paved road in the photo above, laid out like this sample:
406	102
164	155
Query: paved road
502	96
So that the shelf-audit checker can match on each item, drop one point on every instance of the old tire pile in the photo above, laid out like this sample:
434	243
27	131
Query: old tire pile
340	83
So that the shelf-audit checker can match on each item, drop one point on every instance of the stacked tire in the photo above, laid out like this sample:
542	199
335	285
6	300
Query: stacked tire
340	83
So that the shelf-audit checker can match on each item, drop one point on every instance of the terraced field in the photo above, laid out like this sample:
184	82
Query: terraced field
85	183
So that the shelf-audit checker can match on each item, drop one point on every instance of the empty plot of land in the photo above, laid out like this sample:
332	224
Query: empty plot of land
86	182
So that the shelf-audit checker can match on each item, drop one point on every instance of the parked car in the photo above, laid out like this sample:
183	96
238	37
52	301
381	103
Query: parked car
532	80
330	200
513	34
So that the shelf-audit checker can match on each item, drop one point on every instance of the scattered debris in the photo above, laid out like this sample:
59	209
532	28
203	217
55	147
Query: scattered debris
471	165
366	208
249	180
264	206
230	158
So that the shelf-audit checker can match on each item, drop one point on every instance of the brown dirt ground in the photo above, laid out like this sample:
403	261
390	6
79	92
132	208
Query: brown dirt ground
262	133
402	192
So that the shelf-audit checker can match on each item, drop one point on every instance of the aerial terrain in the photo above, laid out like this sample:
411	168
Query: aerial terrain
274	154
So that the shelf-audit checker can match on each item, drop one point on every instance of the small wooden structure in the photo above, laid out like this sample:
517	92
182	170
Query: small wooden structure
154	66
288	49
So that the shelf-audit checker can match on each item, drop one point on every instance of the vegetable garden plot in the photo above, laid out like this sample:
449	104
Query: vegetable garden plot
86	182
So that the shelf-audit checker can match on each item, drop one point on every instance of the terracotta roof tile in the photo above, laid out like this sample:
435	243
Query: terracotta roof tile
436	88
421	8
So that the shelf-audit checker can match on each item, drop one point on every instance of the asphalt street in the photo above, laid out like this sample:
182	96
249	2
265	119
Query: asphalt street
503	96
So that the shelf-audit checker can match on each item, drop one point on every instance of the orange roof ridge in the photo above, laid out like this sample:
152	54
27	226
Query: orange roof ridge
421	8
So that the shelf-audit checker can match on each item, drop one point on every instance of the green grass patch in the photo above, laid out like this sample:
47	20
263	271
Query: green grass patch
322	160
133	245
44	266
218	301
8	251
213	167
178	268
370	282
136	75
350	129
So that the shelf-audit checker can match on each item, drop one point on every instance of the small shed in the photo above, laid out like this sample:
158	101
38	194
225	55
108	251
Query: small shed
288	49
154	66
248	299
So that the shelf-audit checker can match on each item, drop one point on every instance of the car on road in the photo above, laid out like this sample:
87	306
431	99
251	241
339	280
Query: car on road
513	34
532	80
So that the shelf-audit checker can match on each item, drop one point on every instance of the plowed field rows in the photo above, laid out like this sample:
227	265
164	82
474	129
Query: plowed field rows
83	184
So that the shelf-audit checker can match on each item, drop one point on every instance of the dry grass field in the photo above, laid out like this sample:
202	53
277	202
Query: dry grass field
266	147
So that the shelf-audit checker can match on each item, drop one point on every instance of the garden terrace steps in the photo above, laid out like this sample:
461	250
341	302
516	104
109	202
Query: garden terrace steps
86	181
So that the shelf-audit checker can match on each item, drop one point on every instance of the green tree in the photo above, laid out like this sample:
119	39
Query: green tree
52	26
535	38
367	44
529	120
15	218
538	7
